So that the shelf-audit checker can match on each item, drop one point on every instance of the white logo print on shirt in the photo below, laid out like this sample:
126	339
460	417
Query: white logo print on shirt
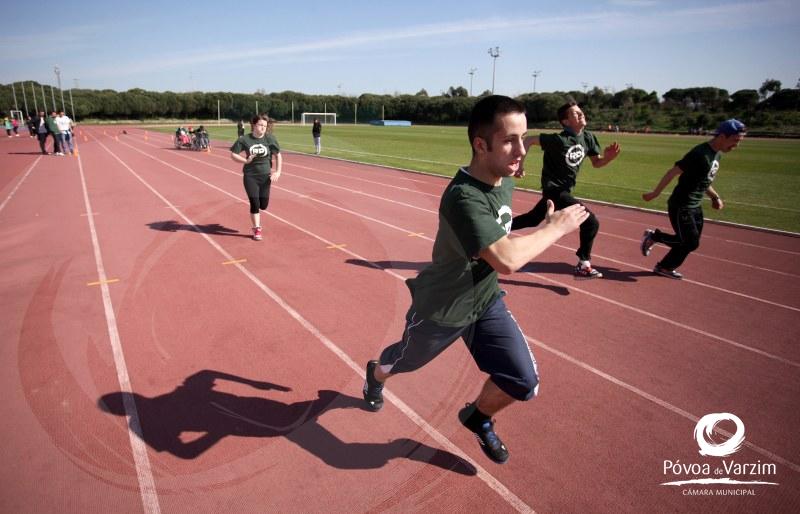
259	150
575	155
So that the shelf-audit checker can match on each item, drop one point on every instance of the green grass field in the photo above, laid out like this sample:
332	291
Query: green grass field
759	181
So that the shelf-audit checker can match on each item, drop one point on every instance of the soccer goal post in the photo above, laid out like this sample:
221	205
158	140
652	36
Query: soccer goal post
327	118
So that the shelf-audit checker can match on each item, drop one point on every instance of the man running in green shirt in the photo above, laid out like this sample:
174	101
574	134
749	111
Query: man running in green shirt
563	154
696	170
457	295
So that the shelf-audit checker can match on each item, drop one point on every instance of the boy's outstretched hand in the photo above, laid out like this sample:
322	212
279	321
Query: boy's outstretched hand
567	219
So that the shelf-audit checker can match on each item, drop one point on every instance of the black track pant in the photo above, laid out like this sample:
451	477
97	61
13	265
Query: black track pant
688	225
561	199
257	188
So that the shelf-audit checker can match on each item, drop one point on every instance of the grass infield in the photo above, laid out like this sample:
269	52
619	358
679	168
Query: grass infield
759	181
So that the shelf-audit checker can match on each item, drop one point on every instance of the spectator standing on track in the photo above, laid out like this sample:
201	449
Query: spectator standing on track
52	128
316	133
8	126
458	294
15	126
258	147
696	170
240	128
41	131
31	126
65	125
563	154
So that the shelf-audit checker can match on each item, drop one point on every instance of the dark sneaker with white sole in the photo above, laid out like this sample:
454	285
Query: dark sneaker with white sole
489	441
647	241
669	273
373	390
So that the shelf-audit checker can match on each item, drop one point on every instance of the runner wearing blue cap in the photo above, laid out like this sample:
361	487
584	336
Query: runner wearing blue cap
696	170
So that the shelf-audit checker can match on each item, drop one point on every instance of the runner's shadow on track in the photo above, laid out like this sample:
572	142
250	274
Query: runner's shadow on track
415	266
563	268
196	407
624	276
418	266
212	228
25	153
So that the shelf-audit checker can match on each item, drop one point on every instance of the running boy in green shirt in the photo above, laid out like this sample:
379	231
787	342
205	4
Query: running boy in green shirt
457	295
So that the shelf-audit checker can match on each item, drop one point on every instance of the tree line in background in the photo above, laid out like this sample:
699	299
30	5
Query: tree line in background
770	110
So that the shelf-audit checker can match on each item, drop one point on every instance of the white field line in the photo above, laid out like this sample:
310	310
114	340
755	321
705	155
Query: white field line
418	420
732	202
399	157
25	176
715	337
708	236
680	325
668	406
706	256
599	202
147	488
647	396
351	177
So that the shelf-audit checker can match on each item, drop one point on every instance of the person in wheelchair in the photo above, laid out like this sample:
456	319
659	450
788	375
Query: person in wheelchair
200	141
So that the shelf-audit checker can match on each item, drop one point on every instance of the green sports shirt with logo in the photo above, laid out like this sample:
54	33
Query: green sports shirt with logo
699	167
262	148
563	154
458	286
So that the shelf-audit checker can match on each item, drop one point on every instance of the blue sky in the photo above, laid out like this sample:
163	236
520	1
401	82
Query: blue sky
356	47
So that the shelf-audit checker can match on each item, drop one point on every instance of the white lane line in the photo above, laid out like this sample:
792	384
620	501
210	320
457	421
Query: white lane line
715	337
25	176
351	177
567	357
647	396
353	191
695	282
704	333
708	236
418	420
706	256
144	474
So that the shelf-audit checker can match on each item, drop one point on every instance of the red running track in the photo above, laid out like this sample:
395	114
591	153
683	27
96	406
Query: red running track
159	360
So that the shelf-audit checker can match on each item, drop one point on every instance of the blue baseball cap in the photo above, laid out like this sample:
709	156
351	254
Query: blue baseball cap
731	127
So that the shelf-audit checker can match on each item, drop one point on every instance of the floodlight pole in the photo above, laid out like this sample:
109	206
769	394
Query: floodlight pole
57	70
44	99
14	92
72	104
585	85
25	99
495	53
53	98
35	103
471	76
534	75
218	117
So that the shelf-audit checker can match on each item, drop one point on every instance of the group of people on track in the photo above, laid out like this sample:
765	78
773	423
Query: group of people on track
457	295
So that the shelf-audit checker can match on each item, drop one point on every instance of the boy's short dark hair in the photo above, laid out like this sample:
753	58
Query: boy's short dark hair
481	120
562	111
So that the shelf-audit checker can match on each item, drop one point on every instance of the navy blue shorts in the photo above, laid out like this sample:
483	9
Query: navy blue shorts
495	341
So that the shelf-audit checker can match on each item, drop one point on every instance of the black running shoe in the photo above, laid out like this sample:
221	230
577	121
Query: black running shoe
647	242
373	390
669	273
490	442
